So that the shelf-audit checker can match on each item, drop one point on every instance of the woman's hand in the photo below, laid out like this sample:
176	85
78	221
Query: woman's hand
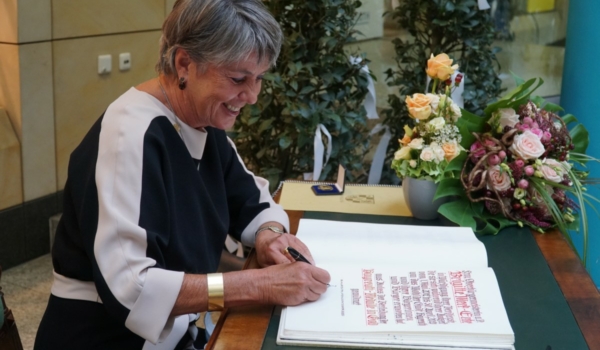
292	284
270	248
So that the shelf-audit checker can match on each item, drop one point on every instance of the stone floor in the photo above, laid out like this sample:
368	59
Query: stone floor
26	291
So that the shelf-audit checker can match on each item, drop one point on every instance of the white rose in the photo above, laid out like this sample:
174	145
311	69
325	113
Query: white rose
416	143
527	146
499	178
435	100
508	117
437	123
402	153
456	113
438	151
427	154
412	163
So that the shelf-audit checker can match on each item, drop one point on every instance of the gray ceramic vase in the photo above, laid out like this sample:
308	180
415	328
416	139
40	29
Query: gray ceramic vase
418	195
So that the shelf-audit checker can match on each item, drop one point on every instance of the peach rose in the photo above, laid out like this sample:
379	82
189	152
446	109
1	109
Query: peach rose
405	140
451	150
527	146
418	106
499	178
440	67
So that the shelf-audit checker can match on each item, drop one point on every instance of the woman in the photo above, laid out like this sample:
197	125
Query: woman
155	187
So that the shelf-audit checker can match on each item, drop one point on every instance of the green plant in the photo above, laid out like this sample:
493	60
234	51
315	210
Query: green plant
313	83
455	27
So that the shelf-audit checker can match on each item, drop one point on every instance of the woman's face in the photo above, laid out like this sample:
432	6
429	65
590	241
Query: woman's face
214	96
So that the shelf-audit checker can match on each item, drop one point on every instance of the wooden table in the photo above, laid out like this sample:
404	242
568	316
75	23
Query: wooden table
245	327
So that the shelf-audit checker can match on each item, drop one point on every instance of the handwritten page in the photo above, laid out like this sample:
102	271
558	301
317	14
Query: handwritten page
400	287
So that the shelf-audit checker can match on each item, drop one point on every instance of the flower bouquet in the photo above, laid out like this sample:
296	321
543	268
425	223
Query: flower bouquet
523	167
428	147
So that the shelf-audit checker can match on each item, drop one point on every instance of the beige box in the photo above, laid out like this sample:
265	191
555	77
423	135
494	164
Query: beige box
370	20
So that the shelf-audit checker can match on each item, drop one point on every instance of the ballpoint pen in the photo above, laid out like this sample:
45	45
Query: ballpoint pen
296	255
299	257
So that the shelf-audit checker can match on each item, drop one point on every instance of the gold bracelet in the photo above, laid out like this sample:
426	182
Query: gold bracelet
216	291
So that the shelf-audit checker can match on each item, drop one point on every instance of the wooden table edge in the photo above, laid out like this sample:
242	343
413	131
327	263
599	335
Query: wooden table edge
577	286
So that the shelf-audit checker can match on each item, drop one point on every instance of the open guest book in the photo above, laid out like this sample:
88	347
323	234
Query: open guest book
404	287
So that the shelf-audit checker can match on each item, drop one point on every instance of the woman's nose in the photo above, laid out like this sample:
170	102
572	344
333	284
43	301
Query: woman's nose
250	94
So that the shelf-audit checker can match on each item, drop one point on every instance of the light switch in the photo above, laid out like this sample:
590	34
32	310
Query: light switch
104	64
124	61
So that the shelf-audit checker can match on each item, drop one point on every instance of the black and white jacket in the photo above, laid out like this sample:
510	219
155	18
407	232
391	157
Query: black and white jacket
144	205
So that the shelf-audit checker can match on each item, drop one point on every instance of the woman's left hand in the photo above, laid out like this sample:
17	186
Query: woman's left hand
270	248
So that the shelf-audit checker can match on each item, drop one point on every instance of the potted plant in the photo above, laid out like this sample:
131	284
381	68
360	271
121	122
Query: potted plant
314	84
458	28
427	148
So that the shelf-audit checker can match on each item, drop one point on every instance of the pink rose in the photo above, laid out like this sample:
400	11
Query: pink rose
527	146
478	150
547	136
539	133
523	127
499	178
529	170
552	170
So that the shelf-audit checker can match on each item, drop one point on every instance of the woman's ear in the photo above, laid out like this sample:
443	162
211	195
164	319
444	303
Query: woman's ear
182	63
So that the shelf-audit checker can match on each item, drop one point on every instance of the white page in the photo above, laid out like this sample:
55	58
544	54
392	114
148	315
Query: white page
403	245
384	304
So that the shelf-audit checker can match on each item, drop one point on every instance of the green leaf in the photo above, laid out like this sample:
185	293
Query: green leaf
253	120
264	125
518	79
552	107
457	163
449	187
285	142
307	89
580	138
459	212
569	118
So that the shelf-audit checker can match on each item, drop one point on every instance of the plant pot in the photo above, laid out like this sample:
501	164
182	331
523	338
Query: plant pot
418	195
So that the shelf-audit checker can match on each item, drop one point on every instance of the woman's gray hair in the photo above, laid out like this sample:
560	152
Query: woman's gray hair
219	32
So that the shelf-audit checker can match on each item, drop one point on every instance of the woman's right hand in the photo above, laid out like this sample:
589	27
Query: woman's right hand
292	284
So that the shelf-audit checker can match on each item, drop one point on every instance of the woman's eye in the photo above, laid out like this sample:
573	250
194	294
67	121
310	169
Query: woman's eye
238	80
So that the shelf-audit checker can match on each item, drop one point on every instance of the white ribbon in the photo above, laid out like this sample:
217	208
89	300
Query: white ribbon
483	5
379	157
370	101
319	149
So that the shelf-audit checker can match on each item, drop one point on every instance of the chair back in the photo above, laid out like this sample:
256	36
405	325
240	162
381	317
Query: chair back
9	335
